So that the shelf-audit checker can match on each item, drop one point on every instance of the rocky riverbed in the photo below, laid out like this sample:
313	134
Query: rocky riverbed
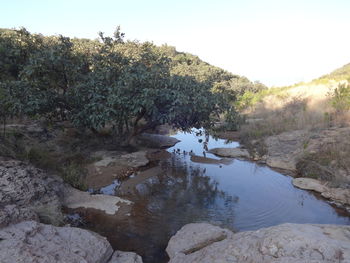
31	200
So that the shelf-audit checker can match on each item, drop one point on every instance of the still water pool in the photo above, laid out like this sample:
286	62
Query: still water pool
236	194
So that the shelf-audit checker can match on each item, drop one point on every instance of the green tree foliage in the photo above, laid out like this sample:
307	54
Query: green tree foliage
129	85
340	97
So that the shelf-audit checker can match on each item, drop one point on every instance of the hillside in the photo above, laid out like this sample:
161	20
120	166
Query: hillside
303	128
342	73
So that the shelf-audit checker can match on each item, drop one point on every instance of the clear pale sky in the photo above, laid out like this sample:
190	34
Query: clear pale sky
278	42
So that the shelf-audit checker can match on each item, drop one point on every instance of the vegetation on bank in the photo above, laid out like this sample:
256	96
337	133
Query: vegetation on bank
127	85
321	106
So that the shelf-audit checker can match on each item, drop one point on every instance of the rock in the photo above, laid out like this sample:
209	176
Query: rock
140	183
125	257
32	242
156	140
302	243
230	152
284	149
201	159
113	158
12	214
74	198
113	165
193	237
309	184
338	195
25	191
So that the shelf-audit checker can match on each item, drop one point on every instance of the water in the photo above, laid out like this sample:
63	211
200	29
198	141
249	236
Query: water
235	194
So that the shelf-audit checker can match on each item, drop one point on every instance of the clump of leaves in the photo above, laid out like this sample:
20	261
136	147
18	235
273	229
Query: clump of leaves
74	174
340	98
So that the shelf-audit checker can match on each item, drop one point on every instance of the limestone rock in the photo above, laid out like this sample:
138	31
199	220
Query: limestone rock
125	257
309	184
156	140
32	242
12	214
113	165
284	149
338	195
74	198
113	158
193	237
230	152
24	190
23	184
283	243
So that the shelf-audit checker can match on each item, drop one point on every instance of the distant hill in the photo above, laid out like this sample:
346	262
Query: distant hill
342	73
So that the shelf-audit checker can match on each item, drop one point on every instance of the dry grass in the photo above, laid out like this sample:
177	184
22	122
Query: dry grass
331	161
300	108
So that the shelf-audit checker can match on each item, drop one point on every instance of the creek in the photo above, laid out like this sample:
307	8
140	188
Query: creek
194	186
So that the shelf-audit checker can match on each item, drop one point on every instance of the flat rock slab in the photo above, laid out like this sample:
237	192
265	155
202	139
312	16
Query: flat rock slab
125	257
193	237
207	160
338	195
74	198
156	140
32	242
113	165
302	243
113	158
309	184
230	152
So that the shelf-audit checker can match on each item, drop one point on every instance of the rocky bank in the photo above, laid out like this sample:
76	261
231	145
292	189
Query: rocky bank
205	243
322	155
28	196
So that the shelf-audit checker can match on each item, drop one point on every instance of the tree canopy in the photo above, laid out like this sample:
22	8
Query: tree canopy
110	81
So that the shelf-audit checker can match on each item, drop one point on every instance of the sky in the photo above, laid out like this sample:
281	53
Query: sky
278	42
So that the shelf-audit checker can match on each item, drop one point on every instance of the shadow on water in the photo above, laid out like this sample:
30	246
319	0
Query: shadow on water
235	194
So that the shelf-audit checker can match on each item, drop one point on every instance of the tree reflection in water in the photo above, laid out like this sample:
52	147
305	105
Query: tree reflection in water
180	194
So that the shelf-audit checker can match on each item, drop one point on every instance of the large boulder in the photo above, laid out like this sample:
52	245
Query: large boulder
156	140
230	152
302	243
27	191
32	242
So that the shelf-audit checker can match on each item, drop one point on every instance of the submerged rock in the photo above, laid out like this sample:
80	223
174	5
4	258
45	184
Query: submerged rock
32	242
230	152
156	140
283	243
338	195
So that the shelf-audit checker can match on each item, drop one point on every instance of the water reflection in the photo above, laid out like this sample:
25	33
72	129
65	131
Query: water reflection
236	194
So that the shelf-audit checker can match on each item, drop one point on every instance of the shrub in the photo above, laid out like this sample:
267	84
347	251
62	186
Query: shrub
340	98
